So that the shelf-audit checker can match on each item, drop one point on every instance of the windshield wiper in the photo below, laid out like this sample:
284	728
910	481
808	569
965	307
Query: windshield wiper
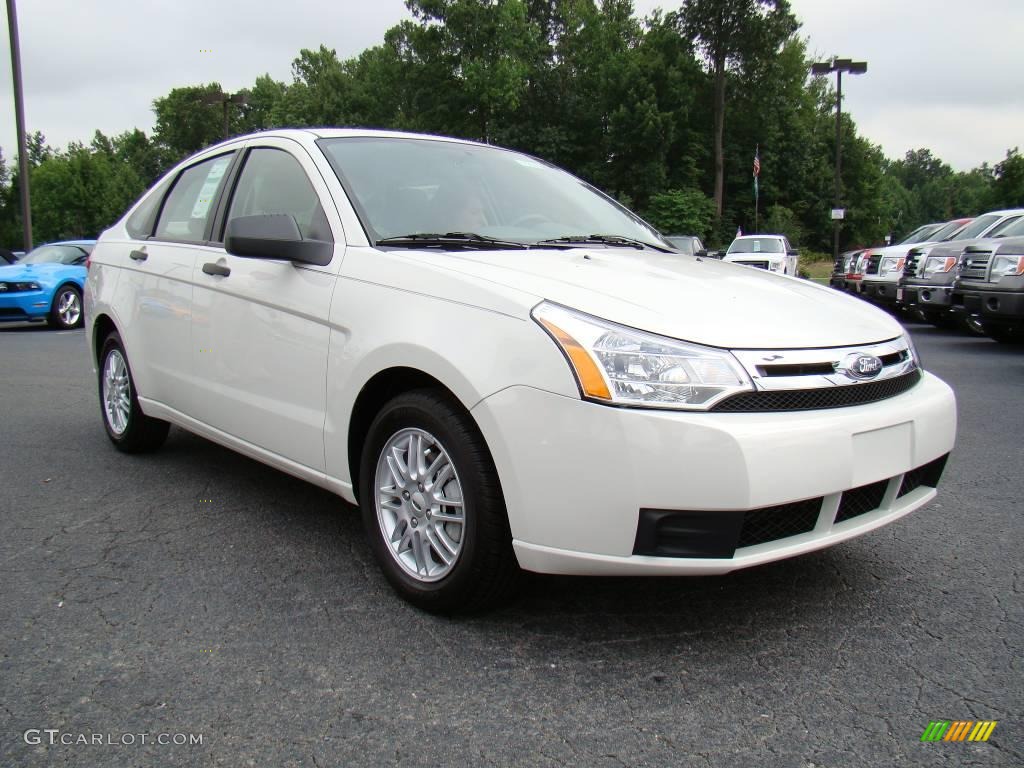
629	242
449	240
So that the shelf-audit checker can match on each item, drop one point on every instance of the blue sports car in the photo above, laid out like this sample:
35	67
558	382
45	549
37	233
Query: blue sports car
46	284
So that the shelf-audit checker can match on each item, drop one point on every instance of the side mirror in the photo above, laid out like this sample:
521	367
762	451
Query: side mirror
702	253
794	252
274	236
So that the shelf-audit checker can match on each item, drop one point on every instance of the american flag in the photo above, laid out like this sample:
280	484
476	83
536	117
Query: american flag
757	162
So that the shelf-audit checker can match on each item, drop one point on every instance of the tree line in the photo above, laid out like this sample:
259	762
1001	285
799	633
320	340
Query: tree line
663	113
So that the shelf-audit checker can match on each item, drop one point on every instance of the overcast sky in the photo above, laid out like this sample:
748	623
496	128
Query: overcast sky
940	75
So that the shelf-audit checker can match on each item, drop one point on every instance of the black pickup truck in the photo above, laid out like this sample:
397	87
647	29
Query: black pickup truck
990	284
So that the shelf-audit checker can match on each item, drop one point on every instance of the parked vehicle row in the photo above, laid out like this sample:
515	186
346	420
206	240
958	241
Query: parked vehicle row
419	325
950	278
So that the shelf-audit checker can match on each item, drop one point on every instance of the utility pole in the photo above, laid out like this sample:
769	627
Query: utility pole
823	68
19	118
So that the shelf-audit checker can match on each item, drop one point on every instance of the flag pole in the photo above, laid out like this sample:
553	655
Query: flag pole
757	191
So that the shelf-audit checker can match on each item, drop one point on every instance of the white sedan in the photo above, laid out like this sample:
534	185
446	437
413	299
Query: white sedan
501	365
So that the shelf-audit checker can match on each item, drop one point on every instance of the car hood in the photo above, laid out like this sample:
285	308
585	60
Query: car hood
41	273
956	247
702	300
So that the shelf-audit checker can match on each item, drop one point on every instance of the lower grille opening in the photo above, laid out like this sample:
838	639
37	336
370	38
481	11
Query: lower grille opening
927	475
771	523
859	501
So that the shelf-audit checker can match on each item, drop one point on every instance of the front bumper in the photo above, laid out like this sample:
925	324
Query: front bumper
1002	306
579	477
927	296
22	306
883	293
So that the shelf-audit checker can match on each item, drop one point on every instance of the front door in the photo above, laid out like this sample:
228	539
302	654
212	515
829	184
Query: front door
259	328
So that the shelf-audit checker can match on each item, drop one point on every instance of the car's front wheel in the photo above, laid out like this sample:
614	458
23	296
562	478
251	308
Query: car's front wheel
433	508
66	310
128	428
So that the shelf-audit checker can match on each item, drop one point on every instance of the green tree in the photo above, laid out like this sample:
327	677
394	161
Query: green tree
736	36
681	211
1008	183
187	121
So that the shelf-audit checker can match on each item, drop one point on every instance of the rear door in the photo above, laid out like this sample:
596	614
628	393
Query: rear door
260	333
154	289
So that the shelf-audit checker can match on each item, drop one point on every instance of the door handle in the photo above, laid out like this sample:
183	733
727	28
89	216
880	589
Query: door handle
216	269
138	255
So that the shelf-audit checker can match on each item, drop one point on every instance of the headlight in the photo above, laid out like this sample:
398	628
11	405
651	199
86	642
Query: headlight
622	366
890	264
915	358
937	264
24	286
1004	266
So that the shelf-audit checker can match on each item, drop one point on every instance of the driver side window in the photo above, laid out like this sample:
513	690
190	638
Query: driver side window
273	182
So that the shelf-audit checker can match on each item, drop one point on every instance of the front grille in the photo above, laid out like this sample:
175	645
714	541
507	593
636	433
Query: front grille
927	475
779	522
975	265
859	501
819	399
910	268
873	262
758	264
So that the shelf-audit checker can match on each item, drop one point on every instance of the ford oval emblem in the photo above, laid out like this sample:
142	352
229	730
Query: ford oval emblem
860	366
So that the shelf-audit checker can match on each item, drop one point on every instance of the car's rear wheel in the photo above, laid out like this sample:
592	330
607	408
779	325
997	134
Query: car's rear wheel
66	310
129	429
433	508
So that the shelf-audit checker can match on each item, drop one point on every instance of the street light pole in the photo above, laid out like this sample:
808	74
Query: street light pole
823	68
225	100
19	119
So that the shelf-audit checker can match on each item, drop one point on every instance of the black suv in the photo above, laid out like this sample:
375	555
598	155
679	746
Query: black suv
991	285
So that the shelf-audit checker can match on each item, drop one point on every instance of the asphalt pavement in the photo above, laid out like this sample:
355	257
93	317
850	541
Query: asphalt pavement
197	595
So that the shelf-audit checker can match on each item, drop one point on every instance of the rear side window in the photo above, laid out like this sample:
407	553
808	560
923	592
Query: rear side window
273	182
140	224
190	204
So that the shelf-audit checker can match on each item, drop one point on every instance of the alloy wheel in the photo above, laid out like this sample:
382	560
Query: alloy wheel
419	504
116	392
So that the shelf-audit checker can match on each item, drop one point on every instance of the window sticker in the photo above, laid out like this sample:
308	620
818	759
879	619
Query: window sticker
202	206
757	246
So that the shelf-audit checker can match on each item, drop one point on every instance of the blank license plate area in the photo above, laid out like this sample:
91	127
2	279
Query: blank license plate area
882	453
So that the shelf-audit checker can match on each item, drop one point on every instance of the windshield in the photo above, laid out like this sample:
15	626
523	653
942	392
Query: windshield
979	225
1010	227
921	234
56	254
756	245
947	232
418	186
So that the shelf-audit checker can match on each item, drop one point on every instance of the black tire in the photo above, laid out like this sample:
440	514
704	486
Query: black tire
485	572
942	319
140	433
67	318
972	324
